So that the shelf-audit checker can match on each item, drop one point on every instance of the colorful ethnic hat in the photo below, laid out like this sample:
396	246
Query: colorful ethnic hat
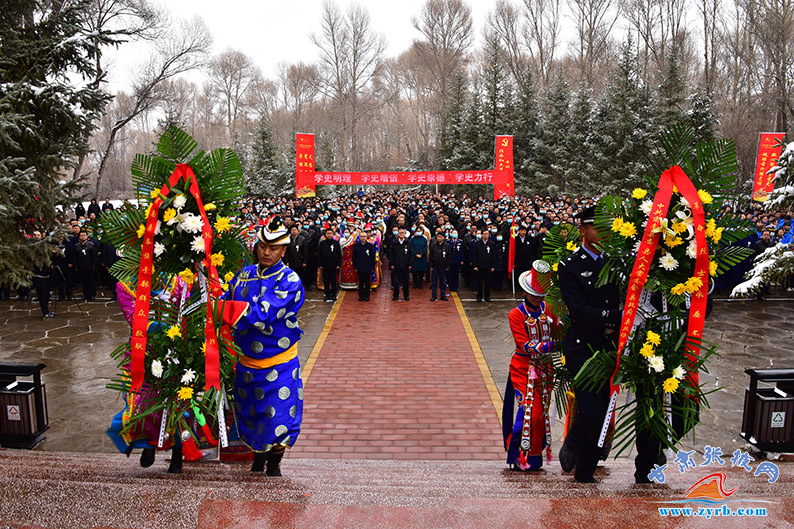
273	232
530	280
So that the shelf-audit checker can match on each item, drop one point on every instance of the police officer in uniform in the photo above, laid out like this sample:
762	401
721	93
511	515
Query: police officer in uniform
595	314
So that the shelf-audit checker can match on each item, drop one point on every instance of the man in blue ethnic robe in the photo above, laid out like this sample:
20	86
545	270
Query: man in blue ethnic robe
268	390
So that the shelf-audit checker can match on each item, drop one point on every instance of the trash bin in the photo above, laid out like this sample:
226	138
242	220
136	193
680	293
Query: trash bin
769	410
23	406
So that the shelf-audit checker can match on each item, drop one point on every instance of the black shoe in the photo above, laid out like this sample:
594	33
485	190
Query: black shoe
588	479
567	458
147	457
487	300
642	480
49	315
407	299
259	462
273	462
479	300
444	298
394	298
433	299
176	460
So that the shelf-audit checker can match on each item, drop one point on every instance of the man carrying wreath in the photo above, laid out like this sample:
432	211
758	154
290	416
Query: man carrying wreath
268	390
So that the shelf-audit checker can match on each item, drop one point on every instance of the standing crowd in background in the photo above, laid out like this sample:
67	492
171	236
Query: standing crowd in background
440	242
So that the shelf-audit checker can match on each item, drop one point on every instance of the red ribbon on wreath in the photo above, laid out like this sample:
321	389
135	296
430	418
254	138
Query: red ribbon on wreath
143	291
675	176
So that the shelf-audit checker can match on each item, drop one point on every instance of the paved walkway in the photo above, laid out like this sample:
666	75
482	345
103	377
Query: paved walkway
386	385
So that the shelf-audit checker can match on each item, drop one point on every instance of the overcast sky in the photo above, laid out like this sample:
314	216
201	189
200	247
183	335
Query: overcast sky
274	31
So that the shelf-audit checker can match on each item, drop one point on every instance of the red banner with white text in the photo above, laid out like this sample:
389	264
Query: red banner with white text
769	148
306	178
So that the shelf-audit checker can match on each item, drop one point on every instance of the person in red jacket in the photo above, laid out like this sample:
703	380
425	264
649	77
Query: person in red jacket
531	375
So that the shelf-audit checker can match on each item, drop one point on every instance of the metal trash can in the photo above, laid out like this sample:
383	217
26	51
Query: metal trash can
769	410
23	406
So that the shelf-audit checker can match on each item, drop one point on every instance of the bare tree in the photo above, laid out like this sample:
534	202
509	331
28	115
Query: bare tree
299	87
350	56
447	30
179	52
232	73
541	34
709	10
594	20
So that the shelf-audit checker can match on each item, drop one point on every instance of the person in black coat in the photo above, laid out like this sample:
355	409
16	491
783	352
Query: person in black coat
329	258
93	207
297	255
401	258
79	210
85	263
440	262
483	263
453	276
595	314
107	206
364	264
524	253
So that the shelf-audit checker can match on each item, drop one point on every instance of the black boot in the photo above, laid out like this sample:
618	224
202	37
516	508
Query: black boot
176	460
147	457
259	462
273	462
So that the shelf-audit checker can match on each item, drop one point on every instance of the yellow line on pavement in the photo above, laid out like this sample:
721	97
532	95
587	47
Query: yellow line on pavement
307	369
485	371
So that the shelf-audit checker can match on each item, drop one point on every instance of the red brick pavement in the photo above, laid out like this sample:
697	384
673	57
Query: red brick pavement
397	380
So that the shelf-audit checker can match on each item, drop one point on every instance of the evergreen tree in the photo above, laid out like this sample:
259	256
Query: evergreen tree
525	127
552	149
466	153
579	178
702	116
452	126
672	93
268	174
44	120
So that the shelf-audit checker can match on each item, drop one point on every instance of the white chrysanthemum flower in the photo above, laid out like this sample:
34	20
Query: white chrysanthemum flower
656	363
646	207
679	373
668	262
159	248
692	249
684	202
188	377
637	247
157	368
197	245
192	223
157	228
180	201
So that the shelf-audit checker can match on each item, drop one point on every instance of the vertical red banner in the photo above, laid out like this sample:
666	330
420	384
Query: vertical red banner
304	165
504	162
768	153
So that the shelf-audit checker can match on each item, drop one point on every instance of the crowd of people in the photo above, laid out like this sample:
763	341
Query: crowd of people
442	242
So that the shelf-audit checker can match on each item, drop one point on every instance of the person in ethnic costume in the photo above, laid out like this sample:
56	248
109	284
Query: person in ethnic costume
531	375
268	390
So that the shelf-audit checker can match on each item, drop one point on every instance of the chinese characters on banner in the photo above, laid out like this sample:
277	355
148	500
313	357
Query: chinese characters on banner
504	162
769	149
304	165
306	178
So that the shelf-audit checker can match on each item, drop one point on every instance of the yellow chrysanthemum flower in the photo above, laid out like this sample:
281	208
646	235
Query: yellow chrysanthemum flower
562	360
671	385
141	230
571	246
222	224
169	214
705	197
555	266
693	284
672	242
154	194
210	206
679	227
638	193
217	259
186	393
717	235
628	229
653	338
711	227
712	268
204	348
187	276
679	289
148	210
647	350
173	332
617	224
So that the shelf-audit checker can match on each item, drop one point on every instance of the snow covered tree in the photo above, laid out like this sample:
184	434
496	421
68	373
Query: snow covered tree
268	174
552	150
45	118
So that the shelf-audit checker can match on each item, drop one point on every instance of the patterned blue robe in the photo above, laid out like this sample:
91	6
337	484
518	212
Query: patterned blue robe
268	402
